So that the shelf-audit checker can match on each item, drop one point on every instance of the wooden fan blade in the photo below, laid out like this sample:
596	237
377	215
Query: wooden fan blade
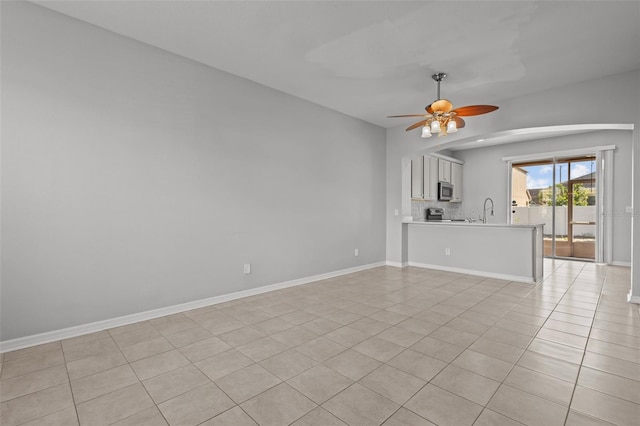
416	125
468	111
407	115
459	122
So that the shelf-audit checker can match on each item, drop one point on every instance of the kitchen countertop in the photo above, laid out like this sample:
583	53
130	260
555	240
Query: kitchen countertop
464	223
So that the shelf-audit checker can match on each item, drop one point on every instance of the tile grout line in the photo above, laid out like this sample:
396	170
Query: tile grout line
524	350
400	406
466	348
48	387
128	363
213	382
584	352
73	398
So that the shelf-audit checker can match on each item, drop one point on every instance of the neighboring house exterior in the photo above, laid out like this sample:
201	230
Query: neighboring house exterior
534	193
588	181
520	196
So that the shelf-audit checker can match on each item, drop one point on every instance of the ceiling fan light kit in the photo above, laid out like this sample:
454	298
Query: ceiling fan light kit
441	118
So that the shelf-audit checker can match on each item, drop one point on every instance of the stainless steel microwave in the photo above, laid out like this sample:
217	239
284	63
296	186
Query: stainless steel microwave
445	191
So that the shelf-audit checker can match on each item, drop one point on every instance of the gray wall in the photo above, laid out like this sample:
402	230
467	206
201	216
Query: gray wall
134	179
615	99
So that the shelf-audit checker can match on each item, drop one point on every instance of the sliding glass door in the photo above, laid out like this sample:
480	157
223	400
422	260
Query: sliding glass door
561	194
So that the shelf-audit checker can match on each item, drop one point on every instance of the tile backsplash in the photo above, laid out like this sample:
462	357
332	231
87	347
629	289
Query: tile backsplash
451	210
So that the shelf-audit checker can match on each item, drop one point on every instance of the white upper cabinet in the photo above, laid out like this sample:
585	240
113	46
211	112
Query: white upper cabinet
456	181
444	170
430	178
427	171
417	185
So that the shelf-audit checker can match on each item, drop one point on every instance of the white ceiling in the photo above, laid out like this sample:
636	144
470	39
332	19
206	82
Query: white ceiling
370	59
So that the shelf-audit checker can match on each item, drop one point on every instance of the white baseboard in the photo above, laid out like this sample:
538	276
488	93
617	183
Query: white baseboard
616	263
66	333
397	264
633	299
518	278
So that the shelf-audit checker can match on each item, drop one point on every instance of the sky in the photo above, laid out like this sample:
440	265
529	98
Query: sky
541	176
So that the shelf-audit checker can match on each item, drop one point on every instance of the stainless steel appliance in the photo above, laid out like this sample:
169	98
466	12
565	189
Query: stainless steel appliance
434	214
445	191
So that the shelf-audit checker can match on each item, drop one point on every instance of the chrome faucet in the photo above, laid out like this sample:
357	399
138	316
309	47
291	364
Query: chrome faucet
484	209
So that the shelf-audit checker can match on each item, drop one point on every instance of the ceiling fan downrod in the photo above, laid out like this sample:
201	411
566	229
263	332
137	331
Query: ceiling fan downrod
438	77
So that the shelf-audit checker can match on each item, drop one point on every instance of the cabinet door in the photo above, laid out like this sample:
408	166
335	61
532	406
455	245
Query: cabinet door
430	185
456	181
444	170
417	190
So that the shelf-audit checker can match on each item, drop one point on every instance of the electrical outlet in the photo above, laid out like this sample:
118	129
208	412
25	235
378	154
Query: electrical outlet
247	268
396	212
356	252
447	252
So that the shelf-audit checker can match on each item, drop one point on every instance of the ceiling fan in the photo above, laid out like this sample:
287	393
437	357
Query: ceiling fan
441	118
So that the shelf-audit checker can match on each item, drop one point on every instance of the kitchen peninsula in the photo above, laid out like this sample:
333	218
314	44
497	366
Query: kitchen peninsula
504	251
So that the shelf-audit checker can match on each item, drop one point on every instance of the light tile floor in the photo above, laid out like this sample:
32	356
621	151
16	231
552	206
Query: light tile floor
382	346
